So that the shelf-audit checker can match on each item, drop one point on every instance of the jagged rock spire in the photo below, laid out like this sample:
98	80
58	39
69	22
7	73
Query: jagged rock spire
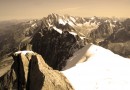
30	72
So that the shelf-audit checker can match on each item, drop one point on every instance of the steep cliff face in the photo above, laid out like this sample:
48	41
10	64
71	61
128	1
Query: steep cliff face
55	39
29	71
56	46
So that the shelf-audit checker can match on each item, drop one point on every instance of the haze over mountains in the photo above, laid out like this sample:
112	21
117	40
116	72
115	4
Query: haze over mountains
60	39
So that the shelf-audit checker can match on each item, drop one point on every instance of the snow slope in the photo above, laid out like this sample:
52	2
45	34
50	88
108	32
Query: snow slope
103	70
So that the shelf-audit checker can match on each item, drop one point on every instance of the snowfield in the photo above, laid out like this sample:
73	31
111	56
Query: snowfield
102	70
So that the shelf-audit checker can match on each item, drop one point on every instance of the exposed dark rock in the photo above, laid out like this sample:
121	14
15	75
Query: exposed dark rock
30	72
56	47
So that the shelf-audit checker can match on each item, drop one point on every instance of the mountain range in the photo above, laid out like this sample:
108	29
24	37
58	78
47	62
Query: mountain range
64	35
65	42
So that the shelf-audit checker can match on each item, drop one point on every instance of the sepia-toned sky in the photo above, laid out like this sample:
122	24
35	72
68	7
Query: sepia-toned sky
23	9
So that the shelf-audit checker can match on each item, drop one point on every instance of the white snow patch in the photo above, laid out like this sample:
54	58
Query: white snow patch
50	25
94	24
115	21
92	18
79	25
87	23
73	33
62	22
82	37
106	21
91	26
23	52
30	22
34	25
70	23
103	70
112	25
58	30
71	18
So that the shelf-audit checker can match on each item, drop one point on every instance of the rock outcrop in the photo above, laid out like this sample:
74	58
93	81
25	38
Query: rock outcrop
30	72
57	46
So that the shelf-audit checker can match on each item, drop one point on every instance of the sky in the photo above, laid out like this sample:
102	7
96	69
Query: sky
28	9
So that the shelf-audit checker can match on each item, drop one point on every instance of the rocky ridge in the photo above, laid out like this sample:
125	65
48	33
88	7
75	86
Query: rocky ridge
30	72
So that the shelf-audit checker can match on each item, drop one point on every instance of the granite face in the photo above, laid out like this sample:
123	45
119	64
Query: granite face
30	72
